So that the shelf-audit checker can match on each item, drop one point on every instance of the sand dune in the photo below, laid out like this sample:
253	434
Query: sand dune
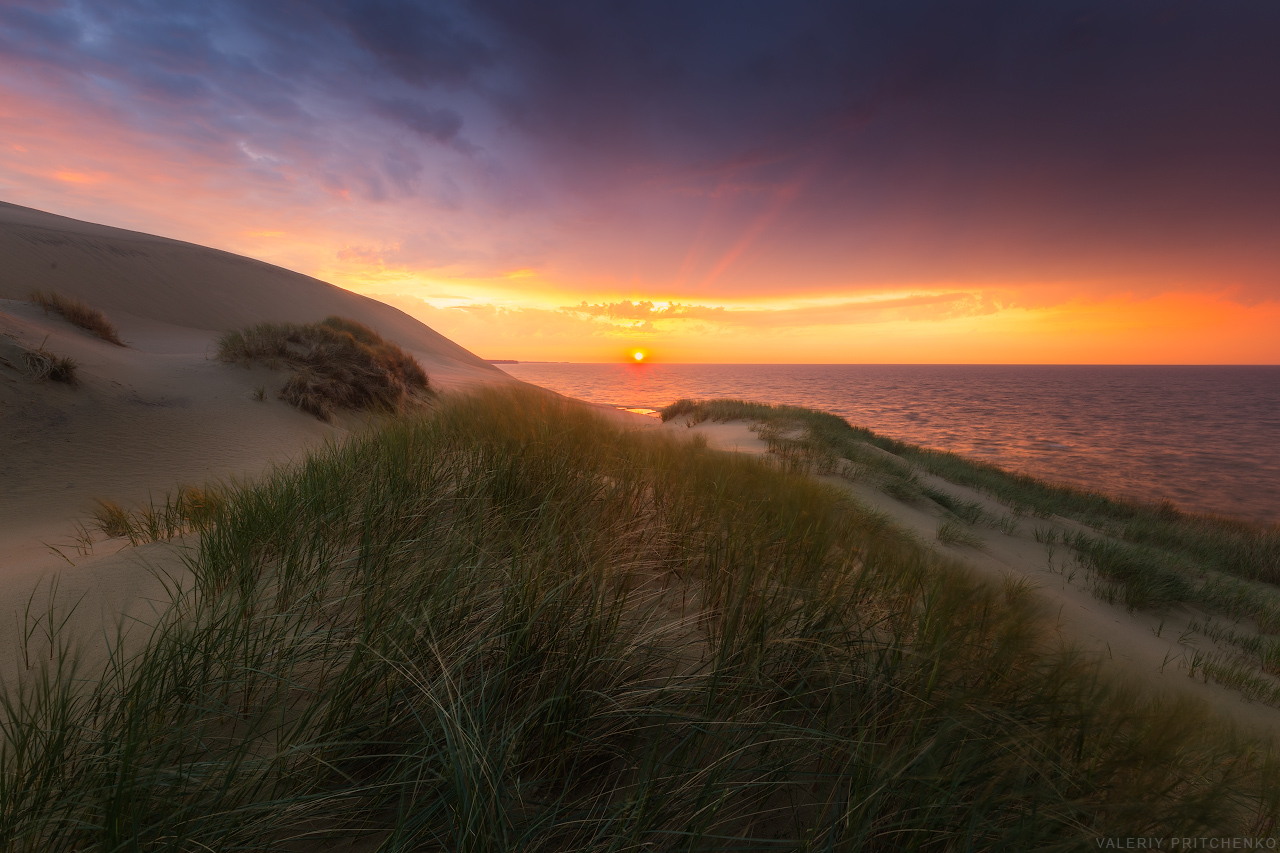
155	289
159	413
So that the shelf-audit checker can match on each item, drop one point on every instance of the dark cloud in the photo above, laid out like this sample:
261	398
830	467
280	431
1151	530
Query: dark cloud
37	26
441	125
423	43
923	135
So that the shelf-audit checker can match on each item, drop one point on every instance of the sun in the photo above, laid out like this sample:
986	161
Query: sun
639	356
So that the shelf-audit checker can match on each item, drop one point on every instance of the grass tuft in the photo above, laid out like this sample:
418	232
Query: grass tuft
1008	524
336	364
41	364
188	510
1148	577
952	532
78	314
970	512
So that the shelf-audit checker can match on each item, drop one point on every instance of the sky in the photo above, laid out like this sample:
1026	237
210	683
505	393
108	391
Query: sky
903	181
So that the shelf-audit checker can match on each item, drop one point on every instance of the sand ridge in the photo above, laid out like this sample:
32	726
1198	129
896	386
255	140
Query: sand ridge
141	280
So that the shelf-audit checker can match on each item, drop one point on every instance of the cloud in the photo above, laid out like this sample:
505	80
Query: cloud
441	124
421	43
940	306
628	310
711	152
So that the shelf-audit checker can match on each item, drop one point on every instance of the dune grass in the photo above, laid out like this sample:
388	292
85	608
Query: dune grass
1194	546
336	364
951	532
187	510
78	314
41	364
511	626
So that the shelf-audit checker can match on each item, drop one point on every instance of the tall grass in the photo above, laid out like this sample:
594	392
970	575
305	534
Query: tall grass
1202	543
336	364
78	314
512	626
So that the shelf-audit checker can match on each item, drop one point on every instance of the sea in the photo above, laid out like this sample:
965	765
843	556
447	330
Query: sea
1206	438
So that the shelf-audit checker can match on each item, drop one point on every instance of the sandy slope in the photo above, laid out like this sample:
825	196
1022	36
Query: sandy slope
1142	648
146	418
150	285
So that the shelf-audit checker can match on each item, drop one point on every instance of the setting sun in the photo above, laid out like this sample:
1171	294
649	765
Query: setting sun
639	356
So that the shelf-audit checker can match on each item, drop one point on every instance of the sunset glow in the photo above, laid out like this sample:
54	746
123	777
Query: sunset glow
850	202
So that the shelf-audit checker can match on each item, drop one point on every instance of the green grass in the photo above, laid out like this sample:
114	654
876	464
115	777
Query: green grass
335	364
970	512
188	510
1200	546
954	533
512	626
1144	576
78	314
1008	524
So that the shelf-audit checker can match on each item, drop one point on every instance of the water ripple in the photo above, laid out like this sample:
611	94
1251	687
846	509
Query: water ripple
1207	438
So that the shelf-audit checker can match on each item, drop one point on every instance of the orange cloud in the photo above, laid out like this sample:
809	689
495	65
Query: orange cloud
939	328
80	177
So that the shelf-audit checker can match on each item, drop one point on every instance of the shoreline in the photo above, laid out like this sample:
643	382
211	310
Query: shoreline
1204	438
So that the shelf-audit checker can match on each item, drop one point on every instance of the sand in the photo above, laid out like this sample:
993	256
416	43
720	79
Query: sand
1142	649
155	415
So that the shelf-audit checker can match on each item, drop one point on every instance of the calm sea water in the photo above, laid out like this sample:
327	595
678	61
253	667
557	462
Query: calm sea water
1207	438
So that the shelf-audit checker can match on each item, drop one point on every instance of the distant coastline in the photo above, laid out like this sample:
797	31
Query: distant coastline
513	361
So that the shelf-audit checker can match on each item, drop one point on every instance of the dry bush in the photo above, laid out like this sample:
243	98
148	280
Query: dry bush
41	364
78	314
337	364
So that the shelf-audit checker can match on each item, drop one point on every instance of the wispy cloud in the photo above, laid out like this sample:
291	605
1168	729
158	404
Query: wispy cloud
934	306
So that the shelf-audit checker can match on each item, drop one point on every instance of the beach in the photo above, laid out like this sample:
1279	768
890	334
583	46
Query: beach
833	545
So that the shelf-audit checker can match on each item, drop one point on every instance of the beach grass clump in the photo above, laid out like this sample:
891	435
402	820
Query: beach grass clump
335	364
1147	576
514	626
970	512
78	313
952	532
1008	524
40	364
189	509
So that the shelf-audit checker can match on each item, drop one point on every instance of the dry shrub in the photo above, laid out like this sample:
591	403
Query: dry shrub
78	314
42	364
337	364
